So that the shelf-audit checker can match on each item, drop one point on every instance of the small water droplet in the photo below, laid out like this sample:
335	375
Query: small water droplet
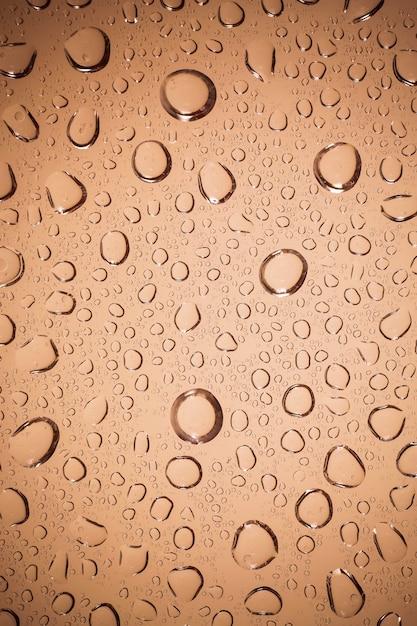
183	472
196	416
263	601
63	603
337	167
314	508
343	467
216	182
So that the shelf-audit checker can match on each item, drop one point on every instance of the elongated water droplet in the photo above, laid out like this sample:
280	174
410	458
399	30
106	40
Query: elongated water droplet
405	67
273	8
83	127
389	542
20	122
188	95
346	596
399	208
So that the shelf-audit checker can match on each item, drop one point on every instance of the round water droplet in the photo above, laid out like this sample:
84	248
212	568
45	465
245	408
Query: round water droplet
185	583
337	167
216	182
389	542
37	355
65	192
188	95
183	472
394	325
64	271
11	266
88	49
151	161
283	272
14	507
407	460
305	544
278	121
263	601
63	603
196	416
8	618
346	596
314	508
405	67
34	442
7	330
74	469
83	127
298	400
386	422
187	317
343	467
184	538
114	247
254	545
292	441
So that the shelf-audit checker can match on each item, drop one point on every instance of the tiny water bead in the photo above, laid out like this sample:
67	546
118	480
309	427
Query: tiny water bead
283	272
196	416
187	95
337	167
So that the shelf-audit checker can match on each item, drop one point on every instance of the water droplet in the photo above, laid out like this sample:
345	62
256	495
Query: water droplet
349	533
389	542
231	14
283	272
298	400
130	12
226	342
60	303
260	59
74	469
391	169
183	472
394	325
222	618
357	72
314	508
88	49
399	208
133	559
389	619
386	422
95	410
151	161
337	167
7	330
278	121
188	95
8	618
37	355
34	442
346	596
343	467
17	59
358	11
63	603
263	601
14	507
187	317
7	181
83	127
407	460
337	376
402	497
104	615
65	192
405	67
305	544
196	416
88	532
254	545
144	610
114	247
20	122
246	458
216	182
185	583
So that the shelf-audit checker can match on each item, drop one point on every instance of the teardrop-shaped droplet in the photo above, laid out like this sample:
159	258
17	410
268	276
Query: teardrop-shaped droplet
368	351
88	49
7	181
292	441
399	208
34	442
359	10
389	542
343	467
402	497
283	272
346	596
17	59
394	325
216	182
273	8
187	317
260	59
337	167
151	161
83	127
278	121
37	355
60	303
188	95
65	192
405	67
185	583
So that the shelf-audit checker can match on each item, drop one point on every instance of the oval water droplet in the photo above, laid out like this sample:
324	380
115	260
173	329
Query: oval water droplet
183	472
63	603
389	542
151	161
254	545
83	127
37	355
263	601
65	192
95	410
349	533
74	469
34	442
394	325
88	49
298	401
7	330
216	182
337	167
188	95
196	416
14	507
314	508
185	583
60	303
20	122
343	467
246	458
273	8
391	169
346	596
405	67
337	376
386	422
88	532
260	59
187	317
161	508
114	247
399	208
11	266
283	272
407	460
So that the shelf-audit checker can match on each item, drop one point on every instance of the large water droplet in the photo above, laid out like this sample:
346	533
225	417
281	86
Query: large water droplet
263	601
37	355
254	545
17	59
405	67
183	472
346	596
11	266
407	460
65	192
88	49
188	95
337	167
389	542
185	583
216	182
34	442
314	508
14	507
231	14
20	122
260	59
343	467
394	325
386	422
196	416
151	161
283	272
